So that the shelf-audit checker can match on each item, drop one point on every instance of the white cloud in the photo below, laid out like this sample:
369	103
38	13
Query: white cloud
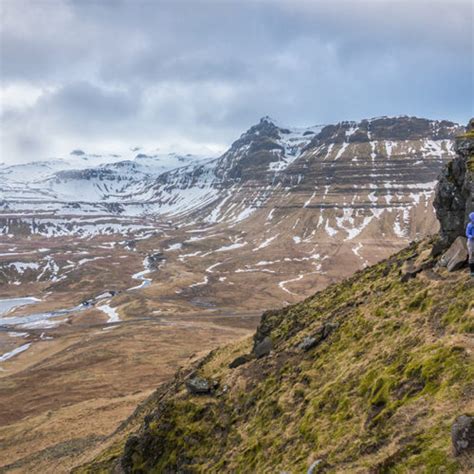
19	96
197	73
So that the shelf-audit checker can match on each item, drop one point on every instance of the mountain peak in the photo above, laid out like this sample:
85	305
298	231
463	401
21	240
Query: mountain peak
268	119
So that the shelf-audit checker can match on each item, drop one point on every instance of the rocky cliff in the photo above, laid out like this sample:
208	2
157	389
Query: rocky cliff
454	198
375	374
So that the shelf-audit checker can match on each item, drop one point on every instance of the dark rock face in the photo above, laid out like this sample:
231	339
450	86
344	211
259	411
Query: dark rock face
250	155
198	386
131	445
454	198
450	201
462	434
263	348
240	360
270	319
409	128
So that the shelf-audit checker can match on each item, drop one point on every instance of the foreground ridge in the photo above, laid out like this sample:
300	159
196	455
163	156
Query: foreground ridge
367	373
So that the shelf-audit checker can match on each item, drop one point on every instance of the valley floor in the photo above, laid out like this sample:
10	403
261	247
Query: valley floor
70	393
115	317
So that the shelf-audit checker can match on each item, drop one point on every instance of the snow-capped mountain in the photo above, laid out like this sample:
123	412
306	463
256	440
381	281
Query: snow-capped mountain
97	176
349	174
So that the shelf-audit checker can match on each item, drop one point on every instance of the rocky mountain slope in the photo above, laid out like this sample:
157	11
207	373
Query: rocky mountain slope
374	374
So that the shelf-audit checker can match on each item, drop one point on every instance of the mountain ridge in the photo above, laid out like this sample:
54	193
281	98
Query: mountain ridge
267	167
265	133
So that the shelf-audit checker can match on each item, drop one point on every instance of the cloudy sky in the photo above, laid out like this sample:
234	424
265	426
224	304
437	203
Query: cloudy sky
191	75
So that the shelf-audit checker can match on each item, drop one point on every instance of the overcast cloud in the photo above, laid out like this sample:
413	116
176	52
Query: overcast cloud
108	75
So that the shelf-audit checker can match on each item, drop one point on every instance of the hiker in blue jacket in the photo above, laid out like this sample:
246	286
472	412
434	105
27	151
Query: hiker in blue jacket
470	242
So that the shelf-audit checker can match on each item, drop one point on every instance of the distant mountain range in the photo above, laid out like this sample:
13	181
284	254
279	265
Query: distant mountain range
349	174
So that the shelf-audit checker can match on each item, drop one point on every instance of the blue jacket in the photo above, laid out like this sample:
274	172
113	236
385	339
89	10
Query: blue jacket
470	227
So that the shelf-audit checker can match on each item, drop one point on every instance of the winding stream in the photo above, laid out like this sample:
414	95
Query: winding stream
48	320
39	320
10	304
141	277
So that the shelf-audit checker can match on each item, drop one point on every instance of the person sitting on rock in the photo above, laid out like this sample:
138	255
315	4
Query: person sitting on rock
470	242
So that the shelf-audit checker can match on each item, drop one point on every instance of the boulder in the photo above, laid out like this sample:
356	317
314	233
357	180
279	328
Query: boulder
240	360
456	256
328	328
198	386
321	333
308	343
263	348
462	434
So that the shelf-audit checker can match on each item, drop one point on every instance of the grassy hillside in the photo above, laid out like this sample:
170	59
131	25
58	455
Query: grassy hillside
391	368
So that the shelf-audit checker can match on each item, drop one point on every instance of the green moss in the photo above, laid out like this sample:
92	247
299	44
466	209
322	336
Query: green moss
429	452
104	462
433	461
439	368
420	302
380	391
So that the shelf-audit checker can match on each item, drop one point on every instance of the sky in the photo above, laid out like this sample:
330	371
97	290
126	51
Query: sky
106	76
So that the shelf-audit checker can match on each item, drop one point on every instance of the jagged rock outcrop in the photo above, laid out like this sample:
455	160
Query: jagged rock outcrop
240	360
198	386
454	198
263	348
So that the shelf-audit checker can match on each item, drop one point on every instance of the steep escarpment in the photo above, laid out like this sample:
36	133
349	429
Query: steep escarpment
375	374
